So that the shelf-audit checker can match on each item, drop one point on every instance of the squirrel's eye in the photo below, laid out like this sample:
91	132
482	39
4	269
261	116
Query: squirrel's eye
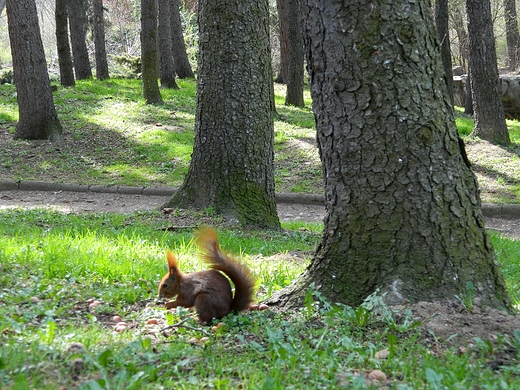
165	285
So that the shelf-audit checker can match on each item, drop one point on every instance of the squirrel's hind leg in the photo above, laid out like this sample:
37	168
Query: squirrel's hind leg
209	308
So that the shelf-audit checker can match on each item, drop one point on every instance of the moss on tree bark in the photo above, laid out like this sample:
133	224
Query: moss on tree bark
403	211
232	165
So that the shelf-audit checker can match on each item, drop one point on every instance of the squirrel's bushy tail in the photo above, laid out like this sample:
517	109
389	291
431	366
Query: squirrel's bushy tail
239	273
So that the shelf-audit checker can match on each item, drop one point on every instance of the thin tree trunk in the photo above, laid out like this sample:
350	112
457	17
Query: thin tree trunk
180	57
490	120
149	51
99	41
63	47
459	25
294	95
283	25
442	26
468	104
512	35
78	29
167	67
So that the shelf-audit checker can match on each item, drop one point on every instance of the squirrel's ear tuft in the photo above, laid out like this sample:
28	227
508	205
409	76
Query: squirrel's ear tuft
173	264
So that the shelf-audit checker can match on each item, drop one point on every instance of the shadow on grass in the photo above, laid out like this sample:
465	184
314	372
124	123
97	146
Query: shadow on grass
110	136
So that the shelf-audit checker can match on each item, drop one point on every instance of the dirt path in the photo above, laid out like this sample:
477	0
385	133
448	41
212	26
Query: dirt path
68	201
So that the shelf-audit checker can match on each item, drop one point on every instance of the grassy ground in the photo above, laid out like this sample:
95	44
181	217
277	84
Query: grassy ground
64	277
112	137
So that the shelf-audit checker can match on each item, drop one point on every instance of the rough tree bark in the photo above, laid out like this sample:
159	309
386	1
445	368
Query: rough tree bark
232	165
167	67
181	62
488	110
62	44
468	104
512	35
403	212
37	116
99	40
78	28
443	34
294	94
283	37
151	91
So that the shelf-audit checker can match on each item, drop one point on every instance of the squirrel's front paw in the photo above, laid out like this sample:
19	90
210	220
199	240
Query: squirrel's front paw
170	305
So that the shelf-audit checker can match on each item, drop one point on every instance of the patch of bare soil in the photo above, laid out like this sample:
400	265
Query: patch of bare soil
450	323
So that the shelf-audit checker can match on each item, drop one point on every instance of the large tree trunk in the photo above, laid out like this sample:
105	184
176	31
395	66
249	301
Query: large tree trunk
167	68
442	26
99	40
149	51
181	62
232	166
283	36
63	47
512	35
37	115
294	94
78	29
403	212
488	109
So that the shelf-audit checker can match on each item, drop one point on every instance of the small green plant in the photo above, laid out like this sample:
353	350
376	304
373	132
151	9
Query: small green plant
466	298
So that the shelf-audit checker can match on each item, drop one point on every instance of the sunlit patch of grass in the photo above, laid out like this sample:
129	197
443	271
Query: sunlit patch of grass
514	132
7	114
53	264
508	254
464	122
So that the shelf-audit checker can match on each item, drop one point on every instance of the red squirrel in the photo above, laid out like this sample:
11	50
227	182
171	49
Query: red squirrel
209	291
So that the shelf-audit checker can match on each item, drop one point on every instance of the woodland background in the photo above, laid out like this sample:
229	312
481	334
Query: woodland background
122	28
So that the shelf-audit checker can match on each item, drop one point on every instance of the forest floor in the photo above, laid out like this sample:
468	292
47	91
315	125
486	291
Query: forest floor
450	322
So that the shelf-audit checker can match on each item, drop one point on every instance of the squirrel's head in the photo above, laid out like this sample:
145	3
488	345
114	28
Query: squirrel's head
169	285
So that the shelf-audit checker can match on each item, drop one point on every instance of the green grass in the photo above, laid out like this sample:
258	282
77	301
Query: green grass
497	167
111	137
53	264
465	126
